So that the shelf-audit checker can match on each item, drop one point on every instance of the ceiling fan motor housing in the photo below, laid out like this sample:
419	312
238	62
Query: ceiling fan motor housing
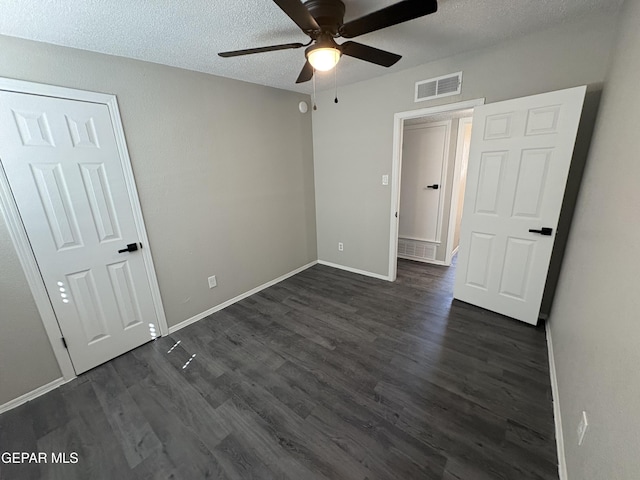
329	14
324	40
323	22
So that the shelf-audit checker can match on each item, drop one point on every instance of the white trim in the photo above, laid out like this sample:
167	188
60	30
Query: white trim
442	197
20	241
42	89
242	296
355	270
453	254
562	461
455	191
423	260
396	168
415	239
33	394
125	162
19	235
16	402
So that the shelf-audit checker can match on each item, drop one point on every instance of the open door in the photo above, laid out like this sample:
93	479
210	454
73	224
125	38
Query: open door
519	161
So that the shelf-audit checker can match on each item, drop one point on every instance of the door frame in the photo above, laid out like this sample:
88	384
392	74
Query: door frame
396	168
455	191
18	232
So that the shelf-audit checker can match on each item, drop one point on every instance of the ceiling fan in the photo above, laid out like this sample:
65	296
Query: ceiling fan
323	21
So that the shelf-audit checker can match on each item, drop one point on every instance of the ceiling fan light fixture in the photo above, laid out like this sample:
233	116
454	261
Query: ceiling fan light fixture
323	21
324	59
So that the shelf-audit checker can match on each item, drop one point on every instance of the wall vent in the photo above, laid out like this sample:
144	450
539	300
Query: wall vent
415	249
439	87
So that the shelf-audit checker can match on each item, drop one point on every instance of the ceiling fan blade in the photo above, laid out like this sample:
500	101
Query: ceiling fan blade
249	51
369	54
306	74
388	16
299	14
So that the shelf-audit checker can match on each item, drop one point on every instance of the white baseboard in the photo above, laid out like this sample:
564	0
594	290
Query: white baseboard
60	381
242	296
562	462
355	270
423	260
16	402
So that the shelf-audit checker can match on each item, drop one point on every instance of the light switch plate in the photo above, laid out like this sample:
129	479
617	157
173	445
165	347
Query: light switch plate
213	282
385	179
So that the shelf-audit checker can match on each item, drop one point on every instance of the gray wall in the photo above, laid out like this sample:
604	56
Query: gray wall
594	322
224	171
26	358
353	139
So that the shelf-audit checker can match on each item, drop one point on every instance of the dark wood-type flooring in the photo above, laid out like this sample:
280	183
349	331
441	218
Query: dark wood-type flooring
326	375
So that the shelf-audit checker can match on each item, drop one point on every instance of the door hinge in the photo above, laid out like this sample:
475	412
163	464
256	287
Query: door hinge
64	342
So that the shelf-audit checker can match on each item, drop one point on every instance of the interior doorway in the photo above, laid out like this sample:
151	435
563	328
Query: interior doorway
431	148
68	195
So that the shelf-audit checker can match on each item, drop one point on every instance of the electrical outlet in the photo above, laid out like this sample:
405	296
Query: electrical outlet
385	179
340	246
582	427
213	282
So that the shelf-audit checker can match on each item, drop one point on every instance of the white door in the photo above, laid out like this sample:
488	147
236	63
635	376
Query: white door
62	162
424	153
518	165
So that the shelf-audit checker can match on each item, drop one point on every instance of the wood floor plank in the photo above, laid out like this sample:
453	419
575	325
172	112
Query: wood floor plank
371	416
196	340
306	444
66	440
184	449
273	451
287	393
326	375
48	413
383	460
102	453
127	422
17	435
240	462
305	327
158	466
181	399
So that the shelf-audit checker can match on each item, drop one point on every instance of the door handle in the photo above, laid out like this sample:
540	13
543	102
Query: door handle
543	231
435	186
132	247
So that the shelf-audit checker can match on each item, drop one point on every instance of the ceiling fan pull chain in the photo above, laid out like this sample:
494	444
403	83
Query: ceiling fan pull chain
335	82
315	107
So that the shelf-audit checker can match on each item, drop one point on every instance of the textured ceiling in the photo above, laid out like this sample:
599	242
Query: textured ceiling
189	33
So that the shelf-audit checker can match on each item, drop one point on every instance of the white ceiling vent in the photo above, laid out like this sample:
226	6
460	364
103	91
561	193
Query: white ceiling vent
439	87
